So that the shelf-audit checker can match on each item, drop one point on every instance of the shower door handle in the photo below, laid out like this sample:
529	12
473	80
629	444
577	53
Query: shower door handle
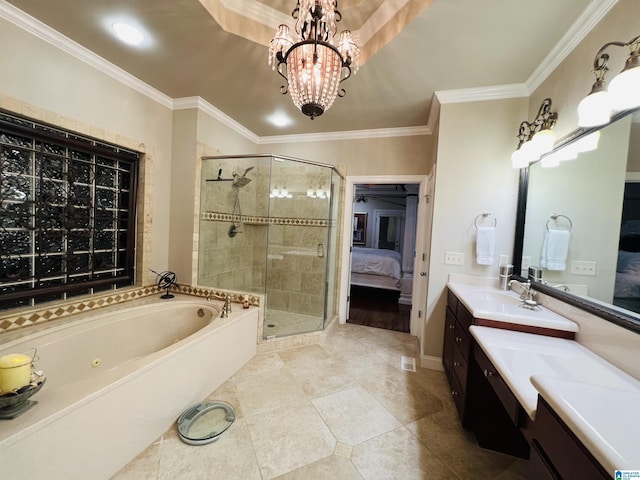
320	250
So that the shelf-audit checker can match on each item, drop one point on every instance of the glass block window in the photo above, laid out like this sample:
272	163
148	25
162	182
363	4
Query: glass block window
67	213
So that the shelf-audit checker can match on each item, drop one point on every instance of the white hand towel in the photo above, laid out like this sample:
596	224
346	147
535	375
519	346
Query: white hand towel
555	249
485	245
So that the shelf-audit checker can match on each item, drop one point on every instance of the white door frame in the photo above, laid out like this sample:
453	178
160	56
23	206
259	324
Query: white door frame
347	226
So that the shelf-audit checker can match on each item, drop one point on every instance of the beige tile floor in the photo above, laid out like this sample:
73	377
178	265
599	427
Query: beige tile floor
340	410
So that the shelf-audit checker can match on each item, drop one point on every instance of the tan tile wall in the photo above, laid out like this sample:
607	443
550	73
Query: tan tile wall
293	274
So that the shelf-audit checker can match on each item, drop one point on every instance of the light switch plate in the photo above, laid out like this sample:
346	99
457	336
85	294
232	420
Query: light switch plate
583	268
453	258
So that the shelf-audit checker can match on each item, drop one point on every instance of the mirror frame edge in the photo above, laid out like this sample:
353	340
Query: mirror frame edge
604	312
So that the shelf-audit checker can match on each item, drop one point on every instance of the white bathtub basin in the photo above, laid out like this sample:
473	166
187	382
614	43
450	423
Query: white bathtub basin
505	306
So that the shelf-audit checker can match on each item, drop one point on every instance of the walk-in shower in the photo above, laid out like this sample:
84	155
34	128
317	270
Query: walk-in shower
268	225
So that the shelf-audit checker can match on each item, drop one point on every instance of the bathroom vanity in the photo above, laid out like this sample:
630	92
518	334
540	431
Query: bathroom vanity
524	387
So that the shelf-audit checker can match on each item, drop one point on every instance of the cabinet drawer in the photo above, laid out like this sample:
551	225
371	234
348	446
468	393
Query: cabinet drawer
464	316
569	457
458	394
460	365
449	340
508	399
462	340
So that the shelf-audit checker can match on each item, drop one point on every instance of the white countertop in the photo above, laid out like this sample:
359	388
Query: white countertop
598	401
490	303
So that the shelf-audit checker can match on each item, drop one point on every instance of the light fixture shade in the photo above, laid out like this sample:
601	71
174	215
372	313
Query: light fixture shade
543	141
519	159
313	73
349	50
280	44
595	109
624	89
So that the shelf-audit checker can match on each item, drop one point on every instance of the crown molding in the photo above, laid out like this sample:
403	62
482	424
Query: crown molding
55	38
596	10
497	92
186	103
581	27
346	135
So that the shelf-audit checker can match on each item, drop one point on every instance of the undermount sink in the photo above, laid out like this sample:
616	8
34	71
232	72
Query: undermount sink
486	303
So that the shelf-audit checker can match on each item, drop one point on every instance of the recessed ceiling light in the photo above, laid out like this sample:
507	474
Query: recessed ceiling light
280	119
127	33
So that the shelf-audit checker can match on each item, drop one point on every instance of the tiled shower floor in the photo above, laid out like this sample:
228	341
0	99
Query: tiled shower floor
287	323
343	410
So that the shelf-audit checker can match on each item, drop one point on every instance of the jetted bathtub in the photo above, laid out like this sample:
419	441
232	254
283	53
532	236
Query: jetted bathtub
117	378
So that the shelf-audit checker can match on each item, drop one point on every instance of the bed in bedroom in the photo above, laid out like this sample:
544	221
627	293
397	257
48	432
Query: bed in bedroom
376	268
627	287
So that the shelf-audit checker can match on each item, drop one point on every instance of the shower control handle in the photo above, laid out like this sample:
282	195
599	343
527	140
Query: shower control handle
320	250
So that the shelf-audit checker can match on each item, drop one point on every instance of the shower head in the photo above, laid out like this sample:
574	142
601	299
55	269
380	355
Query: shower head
240	181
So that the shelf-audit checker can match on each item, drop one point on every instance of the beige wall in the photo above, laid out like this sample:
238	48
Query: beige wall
42	82
571	81
371	156
473	175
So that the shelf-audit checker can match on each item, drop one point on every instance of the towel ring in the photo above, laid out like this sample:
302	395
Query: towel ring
556	216
481	217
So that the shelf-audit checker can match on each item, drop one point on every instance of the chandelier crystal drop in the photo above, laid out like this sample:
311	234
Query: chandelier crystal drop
314	64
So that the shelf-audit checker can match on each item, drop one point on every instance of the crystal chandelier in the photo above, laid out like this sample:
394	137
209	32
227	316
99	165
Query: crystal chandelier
313	65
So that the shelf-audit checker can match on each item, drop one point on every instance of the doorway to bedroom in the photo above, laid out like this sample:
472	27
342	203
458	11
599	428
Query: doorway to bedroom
382	256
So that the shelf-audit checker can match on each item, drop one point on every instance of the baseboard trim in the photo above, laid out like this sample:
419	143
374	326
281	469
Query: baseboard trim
431	362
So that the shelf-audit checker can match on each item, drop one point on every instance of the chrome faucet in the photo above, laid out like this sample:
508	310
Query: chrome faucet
527	295
226	298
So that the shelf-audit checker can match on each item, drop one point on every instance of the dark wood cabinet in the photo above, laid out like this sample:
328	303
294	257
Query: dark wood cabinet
559	453
487	407
457	352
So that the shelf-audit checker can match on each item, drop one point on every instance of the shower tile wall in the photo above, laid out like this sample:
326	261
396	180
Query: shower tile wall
295	272
232	263
277	251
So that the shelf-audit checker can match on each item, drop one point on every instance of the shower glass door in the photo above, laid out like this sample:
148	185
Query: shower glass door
297	248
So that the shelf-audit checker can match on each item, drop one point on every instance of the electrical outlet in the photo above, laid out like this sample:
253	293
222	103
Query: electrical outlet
453	258
583	268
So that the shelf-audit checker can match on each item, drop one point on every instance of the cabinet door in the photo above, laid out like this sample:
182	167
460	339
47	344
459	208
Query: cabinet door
569	457
449	339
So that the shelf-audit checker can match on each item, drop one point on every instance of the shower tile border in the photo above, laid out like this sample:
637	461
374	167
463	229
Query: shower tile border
258	220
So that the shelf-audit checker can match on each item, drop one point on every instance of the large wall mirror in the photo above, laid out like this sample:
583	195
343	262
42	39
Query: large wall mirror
597	198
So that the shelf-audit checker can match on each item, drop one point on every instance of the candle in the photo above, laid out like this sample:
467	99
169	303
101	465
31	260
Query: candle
15	372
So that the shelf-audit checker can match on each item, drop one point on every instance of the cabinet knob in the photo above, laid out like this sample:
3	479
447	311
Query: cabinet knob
488	373
458	339
454	393
452	326
456	364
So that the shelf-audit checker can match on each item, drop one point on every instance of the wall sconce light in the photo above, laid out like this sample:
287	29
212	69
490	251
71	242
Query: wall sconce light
624	90
535	138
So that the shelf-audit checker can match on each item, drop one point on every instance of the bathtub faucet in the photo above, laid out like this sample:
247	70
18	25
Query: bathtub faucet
226	308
